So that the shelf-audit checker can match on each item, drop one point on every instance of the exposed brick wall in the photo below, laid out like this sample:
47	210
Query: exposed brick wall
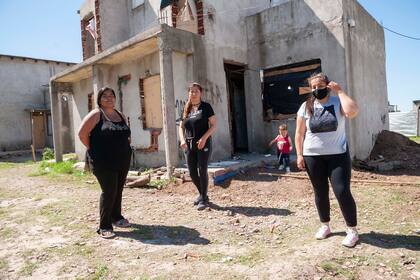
142	105
98	26
90	102
83	24
200	16
88	42
174	13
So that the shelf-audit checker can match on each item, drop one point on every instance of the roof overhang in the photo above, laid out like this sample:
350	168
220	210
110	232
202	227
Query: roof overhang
134	48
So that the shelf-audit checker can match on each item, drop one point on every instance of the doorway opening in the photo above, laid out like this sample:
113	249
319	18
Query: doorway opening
237	107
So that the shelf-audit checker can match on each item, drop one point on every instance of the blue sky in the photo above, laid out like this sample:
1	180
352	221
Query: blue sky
51	29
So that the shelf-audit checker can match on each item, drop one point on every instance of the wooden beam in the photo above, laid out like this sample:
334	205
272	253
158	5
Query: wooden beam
291	70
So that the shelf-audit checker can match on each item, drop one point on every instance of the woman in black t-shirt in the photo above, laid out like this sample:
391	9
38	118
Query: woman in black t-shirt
197	126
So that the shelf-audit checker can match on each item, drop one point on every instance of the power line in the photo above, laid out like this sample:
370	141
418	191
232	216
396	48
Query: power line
395	32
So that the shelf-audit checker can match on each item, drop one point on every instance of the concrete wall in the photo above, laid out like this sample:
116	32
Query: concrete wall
143	16
67	126
294	31
87	8
114	21
81	90
224	41
300	30
182	69
365	52
22	86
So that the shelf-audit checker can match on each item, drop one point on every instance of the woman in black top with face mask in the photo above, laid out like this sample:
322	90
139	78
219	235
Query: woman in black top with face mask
106	135
197	126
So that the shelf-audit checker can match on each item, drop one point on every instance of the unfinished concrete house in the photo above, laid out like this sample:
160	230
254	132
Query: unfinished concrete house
251	56
25	103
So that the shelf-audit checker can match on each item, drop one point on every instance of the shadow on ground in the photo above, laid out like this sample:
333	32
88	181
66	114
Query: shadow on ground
252	211
163	235
391	241
253	174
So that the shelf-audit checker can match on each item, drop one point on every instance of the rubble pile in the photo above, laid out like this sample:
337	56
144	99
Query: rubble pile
392	151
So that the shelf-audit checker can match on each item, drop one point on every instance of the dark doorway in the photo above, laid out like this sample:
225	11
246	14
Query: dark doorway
237	108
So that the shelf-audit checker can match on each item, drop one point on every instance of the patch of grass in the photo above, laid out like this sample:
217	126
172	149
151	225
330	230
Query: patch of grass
3	264
76	249
5	165
415	139
250	259
59	169
101	272
3	213
64	167
145	171
28	268
396	197
7	233
214	257
161	183
335	267
48	154
53	213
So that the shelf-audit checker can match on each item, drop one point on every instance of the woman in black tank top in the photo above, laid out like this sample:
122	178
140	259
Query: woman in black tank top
106	135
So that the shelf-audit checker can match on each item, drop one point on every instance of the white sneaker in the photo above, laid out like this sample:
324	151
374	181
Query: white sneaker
323	232
281	167
351	238
288	169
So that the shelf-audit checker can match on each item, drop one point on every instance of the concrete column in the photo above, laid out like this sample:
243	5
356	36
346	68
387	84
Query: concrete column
97	83
168	108
56	121
254	112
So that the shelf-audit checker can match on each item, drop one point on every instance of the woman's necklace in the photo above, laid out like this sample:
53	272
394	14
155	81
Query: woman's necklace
197	105
107	117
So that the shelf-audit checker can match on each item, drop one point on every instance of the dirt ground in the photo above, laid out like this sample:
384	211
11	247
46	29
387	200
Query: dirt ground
260	226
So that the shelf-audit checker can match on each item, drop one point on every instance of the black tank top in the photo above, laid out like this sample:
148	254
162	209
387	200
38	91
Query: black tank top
109	145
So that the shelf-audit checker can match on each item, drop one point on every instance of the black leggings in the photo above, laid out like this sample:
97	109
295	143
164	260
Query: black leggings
112	184
197	161
337	168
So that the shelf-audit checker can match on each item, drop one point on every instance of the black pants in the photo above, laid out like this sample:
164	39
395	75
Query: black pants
112	184
337	168
197	161
283	158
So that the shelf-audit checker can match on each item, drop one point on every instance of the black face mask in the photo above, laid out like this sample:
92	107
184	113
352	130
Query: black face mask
320	93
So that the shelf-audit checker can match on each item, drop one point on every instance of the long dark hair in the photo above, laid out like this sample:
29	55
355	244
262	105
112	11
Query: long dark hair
188	105
101	92
311	100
